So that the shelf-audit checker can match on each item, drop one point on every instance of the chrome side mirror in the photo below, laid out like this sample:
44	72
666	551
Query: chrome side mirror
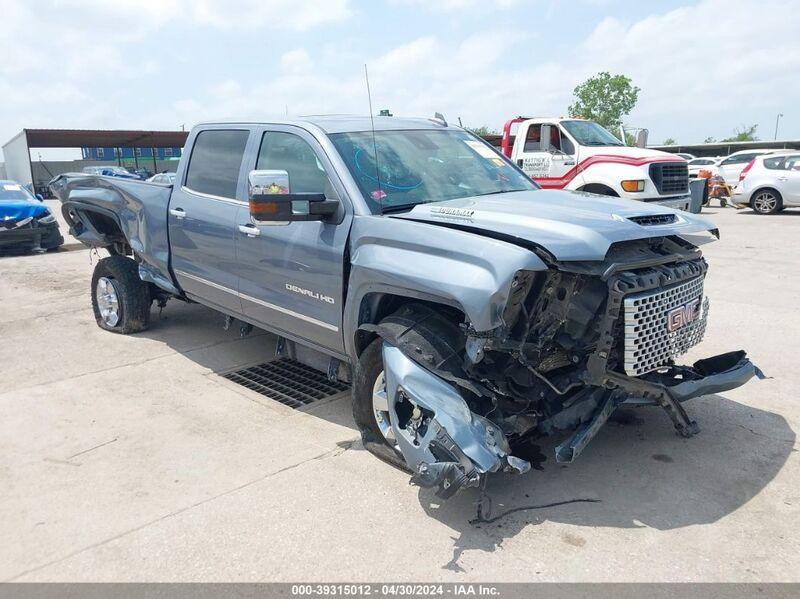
270	198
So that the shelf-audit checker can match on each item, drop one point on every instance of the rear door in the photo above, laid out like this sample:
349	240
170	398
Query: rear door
292	274
202	218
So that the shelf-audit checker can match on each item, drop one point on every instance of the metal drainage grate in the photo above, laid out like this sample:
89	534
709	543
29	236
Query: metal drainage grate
287	381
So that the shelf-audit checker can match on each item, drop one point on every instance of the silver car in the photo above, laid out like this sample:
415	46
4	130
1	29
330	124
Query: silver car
769	183
164	178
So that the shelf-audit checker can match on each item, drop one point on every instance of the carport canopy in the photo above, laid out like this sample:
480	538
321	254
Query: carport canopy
17	155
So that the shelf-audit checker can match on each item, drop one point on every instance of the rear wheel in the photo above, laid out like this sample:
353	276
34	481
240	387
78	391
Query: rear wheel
120	299
766	201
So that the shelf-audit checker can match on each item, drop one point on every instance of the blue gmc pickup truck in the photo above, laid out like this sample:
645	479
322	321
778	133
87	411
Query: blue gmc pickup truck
470	310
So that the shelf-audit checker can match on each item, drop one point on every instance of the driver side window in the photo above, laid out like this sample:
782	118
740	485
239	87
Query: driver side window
291	153
532	138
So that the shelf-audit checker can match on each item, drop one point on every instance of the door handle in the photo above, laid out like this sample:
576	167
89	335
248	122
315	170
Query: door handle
783	178
250	230
178	212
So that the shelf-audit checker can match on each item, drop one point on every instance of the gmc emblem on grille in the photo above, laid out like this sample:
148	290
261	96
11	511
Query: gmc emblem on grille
679	317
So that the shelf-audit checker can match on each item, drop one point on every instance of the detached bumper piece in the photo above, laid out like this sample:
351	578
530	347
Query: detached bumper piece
677	384
444	443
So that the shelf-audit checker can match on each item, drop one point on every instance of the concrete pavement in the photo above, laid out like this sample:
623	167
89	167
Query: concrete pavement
129	458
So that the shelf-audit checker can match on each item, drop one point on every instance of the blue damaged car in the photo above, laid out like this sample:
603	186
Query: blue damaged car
26	223
471	311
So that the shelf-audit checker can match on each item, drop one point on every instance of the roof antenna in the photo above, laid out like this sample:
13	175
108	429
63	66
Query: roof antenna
378	194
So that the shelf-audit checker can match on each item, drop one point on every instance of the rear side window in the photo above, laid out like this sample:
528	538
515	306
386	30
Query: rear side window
774	163
740	159
792	163
216	161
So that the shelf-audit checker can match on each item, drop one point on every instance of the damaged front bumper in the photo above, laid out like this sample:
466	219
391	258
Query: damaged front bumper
31	236
444	443
448	446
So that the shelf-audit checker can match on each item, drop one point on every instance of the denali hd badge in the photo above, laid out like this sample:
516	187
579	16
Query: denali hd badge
312	294
679	317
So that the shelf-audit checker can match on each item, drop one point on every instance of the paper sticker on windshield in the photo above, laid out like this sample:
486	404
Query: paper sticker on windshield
12	187
481	149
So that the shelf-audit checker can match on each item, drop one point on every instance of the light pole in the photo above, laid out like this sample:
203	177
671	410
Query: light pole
777	118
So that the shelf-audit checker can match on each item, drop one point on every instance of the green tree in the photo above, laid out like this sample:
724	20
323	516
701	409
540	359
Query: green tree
670	141
709	140
482	131
744	133
605	98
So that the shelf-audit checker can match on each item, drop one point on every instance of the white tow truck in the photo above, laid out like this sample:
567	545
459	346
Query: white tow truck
578	154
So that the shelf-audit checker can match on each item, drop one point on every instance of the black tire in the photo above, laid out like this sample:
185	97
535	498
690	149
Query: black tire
132	294
440	344
766	201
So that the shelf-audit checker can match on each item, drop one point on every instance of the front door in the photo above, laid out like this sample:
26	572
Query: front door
202	219
544	154
291	274
789	181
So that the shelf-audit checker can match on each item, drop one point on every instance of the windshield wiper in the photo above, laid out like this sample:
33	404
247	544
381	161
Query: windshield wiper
490	193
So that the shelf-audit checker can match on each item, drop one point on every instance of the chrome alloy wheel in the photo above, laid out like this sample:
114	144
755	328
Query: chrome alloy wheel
380	408
107	301
765	202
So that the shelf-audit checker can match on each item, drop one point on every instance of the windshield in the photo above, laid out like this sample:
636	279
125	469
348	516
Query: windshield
14	192
588	133
421	166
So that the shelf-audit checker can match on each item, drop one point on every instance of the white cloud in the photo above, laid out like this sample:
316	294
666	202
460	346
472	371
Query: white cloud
73	45
703	69
296	61
691	78
299	15
458	5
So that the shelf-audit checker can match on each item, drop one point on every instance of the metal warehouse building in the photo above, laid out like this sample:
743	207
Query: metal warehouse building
152	149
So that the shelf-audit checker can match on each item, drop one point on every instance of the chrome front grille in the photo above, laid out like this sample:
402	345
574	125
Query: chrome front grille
648	343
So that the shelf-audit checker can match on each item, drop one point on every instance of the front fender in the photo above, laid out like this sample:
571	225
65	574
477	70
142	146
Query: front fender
425	261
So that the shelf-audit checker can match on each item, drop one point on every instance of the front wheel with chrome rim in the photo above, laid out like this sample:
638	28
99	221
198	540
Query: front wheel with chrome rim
766	201
120	299
371	406
432	335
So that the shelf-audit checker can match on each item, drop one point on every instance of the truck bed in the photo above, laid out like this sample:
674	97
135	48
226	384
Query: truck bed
102	210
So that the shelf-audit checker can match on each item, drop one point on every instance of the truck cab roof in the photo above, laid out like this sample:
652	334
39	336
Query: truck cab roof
340	123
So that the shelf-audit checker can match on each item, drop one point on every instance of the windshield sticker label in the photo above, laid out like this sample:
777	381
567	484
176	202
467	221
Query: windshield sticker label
12	187
481	149
536	166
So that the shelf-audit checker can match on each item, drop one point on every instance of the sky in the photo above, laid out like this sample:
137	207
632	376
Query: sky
704	67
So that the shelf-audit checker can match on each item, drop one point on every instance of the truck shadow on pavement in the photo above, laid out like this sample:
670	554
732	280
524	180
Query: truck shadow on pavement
637	473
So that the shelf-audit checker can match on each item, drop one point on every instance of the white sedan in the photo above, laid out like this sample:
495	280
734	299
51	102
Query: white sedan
769	183
165	178
706	163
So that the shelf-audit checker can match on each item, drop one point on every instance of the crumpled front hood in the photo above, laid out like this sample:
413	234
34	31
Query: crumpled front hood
570	225
20	209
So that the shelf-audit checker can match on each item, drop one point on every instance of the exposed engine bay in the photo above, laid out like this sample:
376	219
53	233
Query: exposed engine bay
578	340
